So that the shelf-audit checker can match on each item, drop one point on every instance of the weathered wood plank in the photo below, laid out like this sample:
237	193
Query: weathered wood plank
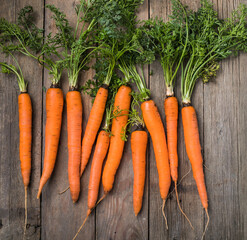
56	208
178	226
115	218
11	185
222	141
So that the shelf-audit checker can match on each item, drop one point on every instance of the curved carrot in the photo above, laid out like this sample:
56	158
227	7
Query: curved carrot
155	127
122	103
100	152
93	125
74	125
171	112
54	110
193	148
139	139
25	127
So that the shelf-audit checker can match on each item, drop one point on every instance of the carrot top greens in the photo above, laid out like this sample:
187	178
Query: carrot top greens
116	23
166	41
210	40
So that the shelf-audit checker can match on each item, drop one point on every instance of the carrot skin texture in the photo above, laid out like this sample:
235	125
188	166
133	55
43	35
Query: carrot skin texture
171	112
193	149
155	127
93	125
100	152
54	110
138	141
74	126
122	102
25	127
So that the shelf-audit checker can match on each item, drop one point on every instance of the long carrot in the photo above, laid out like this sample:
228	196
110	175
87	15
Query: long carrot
25	126
100	152
74	125
54	109
193	148
122	103
93	125
155	127
139	139
171	112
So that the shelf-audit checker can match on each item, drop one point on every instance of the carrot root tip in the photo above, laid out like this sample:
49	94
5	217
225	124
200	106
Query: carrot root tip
163	212
181	210
204	232
65	190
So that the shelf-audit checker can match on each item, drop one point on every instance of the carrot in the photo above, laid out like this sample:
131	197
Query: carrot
93	125
139	140
155	127
96	168
100	152
171	112
193	148
54	109
25	127
122	103
74	125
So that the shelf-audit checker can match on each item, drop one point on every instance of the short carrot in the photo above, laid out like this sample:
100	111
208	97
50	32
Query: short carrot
139	140
122	103
74	125
93	125
54	109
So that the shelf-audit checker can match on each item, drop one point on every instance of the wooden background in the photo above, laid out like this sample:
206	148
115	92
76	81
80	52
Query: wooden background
221	106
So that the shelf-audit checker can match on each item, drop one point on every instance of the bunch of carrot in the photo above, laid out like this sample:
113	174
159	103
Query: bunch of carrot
193	41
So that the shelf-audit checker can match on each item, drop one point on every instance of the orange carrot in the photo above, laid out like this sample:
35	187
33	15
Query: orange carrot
122	103
25	126
93	125
155	127
54	109
139	139
171	111
193	148
96	168
74	125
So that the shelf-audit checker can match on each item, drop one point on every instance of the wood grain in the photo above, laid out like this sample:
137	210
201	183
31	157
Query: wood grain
222	114
11	185
57	208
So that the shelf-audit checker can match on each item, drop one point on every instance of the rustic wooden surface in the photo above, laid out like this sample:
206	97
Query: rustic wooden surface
221	107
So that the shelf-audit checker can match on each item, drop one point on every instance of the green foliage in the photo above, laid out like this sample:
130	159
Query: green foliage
116	25
211	40
166	41
11	69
